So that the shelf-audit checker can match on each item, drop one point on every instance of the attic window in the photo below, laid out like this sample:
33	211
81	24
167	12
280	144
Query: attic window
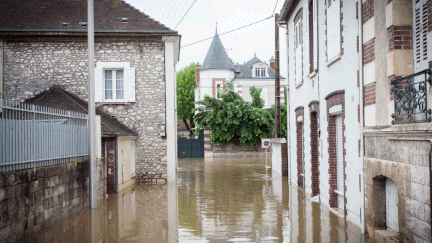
124	20
260	72
64	23
83	24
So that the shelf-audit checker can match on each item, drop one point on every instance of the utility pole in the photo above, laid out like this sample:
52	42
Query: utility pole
277	82
91	103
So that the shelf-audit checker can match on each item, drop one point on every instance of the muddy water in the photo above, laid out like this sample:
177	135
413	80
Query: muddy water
221	200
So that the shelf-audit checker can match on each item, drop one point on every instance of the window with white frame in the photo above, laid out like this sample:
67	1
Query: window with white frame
219	87
114	82
333	29
312	35
260	72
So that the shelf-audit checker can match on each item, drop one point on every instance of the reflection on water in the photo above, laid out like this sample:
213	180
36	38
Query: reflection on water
217	201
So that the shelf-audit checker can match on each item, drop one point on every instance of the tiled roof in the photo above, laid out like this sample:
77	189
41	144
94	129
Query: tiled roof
216	57
246	72
238	67
181	125
57	97
47	15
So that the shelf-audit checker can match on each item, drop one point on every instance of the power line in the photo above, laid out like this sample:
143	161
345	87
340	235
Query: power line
275	7
185	15
228	31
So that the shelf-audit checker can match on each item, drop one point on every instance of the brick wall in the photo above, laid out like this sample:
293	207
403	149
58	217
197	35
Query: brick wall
335	98
369	51
369	94
284	152
400	37
300	147
368	10
313	109
33	199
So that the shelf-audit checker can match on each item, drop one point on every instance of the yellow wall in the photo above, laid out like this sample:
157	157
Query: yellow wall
125	156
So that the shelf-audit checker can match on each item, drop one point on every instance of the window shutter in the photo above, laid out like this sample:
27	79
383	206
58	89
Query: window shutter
420	35
129	85
333	28
298	53
306	40
315	31
99	87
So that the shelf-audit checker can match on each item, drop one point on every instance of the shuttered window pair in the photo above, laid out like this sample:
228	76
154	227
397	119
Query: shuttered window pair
420	35
298	46
114	82
333	29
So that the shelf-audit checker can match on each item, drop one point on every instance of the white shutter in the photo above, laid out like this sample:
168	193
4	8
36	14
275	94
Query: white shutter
99	87
129	85
392	212
133	164
339	161
333	28
298	52
315	30
306	41
420	35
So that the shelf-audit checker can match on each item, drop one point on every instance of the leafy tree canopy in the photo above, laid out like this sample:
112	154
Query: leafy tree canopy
185	95
233	119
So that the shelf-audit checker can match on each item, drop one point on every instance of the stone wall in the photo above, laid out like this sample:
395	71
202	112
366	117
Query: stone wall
33	66
234	150
32	199
399	153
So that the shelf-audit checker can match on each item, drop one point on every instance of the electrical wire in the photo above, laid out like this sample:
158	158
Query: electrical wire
184	15
275	7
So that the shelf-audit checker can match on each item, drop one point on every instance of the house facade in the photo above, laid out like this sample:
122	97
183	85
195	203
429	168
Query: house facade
324	101
135	60
217	69
360	125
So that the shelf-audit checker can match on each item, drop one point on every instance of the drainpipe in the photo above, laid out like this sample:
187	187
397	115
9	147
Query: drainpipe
361	101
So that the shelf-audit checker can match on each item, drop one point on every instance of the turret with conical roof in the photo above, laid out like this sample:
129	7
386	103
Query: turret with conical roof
216	57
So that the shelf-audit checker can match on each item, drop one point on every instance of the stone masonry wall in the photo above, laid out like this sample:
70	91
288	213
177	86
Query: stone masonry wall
32	199
31	67
403	158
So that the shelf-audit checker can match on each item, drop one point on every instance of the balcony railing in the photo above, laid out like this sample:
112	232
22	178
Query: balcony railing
410	98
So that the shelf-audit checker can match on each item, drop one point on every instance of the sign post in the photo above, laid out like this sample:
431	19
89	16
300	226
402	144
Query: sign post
265	143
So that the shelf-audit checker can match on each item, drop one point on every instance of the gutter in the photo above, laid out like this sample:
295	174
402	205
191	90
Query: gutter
361	101
96	31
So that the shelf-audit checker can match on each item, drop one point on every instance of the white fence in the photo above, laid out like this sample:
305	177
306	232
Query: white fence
34	136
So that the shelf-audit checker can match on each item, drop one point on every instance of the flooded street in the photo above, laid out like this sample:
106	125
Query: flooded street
222	200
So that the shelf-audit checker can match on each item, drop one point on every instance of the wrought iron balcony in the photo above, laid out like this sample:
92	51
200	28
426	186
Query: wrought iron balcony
410	98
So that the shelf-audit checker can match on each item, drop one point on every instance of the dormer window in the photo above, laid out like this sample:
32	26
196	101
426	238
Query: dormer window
260	72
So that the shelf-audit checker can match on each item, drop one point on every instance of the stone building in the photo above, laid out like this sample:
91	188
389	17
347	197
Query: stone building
44	43
397	142
364	75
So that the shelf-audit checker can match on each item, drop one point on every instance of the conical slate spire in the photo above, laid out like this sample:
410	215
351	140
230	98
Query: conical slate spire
216	57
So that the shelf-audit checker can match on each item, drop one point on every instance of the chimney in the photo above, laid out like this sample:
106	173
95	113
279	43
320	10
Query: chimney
272	63
197	73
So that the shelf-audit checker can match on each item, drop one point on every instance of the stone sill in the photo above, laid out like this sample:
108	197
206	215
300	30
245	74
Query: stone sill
333	60
299	84
337	211
425	129
312	74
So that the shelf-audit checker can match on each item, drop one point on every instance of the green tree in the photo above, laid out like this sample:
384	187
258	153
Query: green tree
185	95
233	119
284	112
255	93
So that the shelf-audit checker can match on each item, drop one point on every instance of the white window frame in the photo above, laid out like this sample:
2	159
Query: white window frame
333	31
114	85
128	76
298	47
216	87
260	69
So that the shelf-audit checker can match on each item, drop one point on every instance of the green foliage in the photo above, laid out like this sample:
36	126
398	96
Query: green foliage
256	97
233	119
185	95
284	112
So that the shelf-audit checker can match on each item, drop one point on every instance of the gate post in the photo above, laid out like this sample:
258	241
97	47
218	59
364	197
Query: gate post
208	146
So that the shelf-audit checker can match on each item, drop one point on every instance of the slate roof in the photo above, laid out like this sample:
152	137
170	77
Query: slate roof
47	15
57	97
246	71
216	57
237	67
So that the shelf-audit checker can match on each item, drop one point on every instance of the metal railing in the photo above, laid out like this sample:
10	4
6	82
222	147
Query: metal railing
410	98
33	136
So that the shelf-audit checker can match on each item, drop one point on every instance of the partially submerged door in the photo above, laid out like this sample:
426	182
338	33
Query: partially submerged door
392	206
339	162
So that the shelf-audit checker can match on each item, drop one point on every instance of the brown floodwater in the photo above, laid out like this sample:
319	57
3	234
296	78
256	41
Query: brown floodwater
219	200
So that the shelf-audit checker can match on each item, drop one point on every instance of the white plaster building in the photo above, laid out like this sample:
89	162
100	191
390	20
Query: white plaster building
217	70
324	103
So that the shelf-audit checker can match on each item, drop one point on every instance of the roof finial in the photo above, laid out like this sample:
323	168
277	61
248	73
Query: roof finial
216	27
255	54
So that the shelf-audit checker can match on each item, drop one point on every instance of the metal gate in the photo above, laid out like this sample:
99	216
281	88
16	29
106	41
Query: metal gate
190	148
391	206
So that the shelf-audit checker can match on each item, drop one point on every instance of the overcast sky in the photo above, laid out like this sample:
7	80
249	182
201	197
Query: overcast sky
200	23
